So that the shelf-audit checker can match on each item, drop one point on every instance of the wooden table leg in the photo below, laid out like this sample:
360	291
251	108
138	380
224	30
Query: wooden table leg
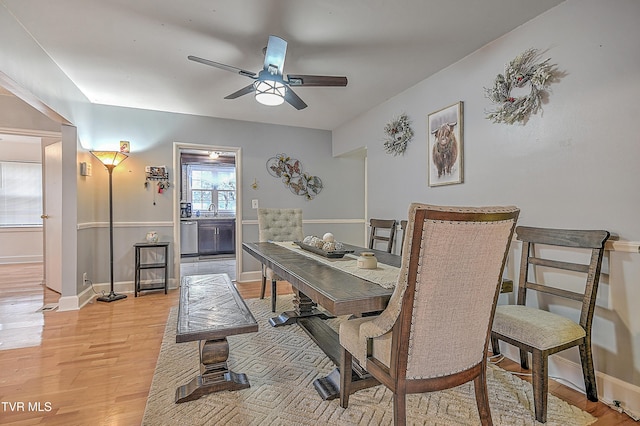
303	307
215	375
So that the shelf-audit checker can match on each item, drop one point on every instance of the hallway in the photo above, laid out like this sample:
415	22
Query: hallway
208	265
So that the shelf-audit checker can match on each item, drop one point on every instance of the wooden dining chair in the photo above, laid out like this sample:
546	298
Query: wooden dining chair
434	332
548	277
403	228
277	225
382	230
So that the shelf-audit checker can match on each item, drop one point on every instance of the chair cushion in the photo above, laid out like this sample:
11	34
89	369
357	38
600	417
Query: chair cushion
354	339
537	328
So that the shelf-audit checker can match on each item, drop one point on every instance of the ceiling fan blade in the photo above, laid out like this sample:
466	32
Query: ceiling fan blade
293	99
244	91
240	71
316	80
274	55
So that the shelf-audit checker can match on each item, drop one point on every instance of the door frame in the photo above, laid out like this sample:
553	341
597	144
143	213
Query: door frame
177	149
46	137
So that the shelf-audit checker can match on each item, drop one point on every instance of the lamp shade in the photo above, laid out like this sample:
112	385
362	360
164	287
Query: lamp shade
110	158
270	92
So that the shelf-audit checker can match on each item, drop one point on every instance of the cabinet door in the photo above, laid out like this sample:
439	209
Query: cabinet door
206	237
226	237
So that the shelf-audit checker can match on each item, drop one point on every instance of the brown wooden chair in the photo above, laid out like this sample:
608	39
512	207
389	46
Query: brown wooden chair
403	227
277	225
543	269
388	234
434	332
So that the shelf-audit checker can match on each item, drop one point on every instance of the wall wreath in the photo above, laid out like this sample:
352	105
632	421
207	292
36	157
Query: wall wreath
399	133
525	69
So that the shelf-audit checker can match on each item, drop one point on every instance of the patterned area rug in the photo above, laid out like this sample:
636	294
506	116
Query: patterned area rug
281	365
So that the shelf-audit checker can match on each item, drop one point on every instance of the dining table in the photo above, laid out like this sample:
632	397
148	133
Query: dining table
315	282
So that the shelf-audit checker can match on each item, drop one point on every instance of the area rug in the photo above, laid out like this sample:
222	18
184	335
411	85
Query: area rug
282	363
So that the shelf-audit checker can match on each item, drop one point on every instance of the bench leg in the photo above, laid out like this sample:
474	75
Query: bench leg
215	375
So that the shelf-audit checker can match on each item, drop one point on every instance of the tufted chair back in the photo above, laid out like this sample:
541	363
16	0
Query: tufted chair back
280	224
277	225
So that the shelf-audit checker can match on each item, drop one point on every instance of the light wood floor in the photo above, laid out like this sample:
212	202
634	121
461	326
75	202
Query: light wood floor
94	366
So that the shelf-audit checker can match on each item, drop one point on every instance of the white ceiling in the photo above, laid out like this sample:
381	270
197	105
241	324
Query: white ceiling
133	53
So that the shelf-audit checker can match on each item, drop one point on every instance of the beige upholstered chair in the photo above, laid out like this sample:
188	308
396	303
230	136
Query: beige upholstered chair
539	331
277	225
388	228
434	332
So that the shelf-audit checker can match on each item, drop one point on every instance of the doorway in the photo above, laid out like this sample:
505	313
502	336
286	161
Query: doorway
207	209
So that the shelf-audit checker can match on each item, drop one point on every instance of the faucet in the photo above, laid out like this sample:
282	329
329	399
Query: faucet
213	208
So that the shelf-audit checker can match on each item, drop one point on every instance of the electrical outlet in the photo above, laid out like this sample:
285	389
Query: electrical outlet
85	278
254	204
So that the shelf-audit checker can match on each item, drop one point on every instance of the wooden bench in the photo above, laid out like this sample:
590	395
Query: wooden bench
210	310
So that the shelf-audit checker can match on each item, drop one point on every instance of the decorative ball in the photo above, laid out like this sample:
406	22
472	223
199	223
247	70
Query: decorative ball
328	237
329	246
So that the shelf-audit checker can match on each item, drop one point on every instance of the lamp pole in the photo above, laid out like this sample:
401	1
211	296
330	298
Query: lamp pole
110	161
112	295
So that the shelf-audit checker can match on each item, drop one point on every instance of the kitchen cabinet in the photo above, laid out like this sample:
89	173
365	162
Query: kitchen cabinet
216	236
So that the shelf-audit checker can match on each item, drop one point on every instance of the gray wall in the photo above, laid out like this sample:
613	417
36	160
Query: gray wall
574	165
152	136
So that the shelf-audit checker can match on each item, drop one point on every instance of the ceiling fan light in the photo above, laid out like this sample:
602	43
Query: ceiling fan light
270	92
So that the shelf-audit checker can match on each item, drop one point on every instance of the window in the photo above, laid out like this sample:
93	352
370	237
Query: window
212	186
20	194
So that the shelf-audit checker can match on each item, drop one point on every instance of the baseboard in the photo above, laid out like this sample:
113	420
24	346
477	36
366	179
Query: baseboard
68	303
570	374
246	277
123	287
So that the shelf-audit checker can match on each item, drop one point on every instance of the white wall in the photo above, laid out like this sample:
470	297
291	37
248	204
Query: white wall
572	166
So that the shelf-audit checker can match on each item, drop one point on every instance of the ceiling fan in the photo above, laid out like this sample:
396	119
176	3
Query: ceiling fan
269	86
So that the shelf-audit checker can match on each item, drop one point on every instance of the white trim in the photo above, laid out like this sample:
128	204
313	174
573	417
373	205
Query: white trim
251	276
34	133
125	287
7	260
623	246
314	221
28	228
177	149
68	303
90	225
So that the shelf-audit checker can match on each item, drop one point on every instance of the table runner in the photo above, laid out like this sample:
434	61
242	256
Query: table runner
384	275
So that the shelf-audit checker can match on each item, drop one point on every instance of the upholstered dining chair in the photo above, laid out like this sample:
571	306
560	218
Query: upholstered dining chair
382	230
277	225
550	275
434	332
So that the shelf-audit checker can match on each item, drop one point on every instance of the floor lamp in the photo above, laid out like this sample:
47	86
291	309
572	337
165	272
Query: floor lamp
110	159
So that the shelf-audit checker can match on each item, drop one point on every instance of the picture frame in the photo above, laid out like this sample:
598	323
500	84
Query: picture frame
445	146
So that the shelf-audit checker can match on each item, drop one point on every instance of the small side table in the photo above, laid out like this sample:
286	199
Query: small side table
162	266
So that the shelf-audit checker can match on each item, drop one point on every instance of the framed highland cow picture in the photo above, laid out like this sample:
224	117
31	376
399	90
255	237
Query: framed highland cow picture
445	146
